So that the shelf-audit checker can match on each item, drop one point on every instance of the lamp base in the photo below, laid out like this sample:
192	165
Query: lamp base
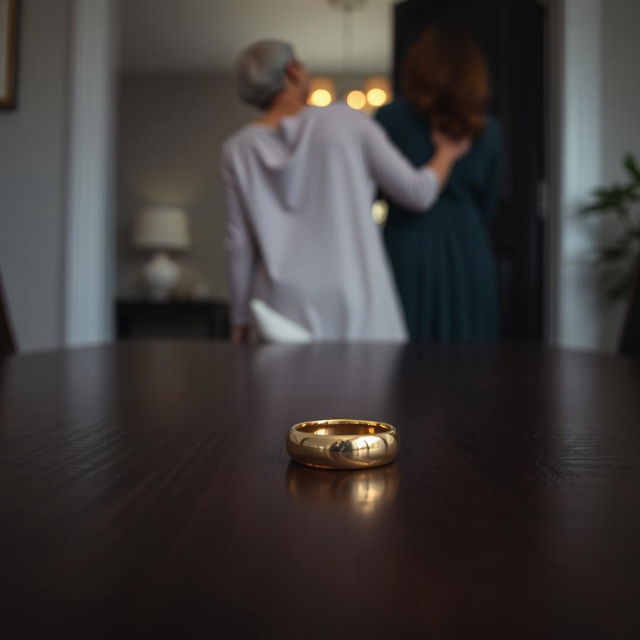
161	275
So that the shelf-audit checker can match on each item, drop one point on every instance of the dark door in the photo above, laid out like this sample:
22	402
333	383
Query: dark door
511	34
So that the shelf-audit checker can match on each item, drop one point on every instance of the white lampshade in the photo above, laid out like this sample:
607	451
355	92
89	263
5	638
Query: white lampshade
161	228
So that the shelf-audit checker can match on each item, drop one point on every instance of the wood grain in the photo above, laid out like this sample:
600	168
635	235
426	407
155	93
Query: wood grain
145	492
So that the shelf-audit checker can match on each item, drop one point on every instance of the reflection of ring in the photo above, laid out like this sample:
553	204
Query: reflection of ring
342	443
364	492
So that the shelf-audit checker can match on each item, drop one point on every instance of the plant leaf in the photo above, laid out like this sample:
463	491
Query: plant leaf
631	165
621	286
609	254
597	207
614	198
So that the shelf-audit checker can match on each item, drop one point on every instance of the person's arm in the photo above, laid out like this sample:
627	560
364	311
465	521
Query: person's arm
447	153
412	188
240	256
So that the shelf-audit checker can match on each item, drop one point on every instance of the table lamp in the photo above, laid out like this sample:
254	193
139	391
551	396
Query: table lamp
161	229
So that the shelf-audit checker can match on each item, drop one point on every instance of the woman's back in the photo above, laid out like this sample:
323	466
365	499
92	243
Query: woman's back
474	179
442	259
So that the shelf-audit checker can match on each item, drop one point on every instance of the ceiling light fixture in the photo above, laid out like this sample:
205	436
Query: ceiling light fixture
322	92
377	90
356	99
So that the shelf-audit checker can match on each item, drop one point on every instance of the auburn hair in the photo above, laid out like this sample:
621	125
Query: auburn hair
446	80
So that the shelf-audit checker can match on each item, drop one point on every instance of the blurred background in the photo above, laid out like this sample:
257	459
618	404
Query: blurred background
111	133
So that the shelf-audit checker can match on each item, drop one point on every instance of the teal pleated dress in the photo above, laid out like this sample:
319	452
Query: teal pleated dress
442	258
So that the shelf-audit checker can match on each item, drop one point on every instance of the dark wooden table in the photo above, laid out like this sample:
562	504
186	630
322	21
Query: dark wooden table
145	492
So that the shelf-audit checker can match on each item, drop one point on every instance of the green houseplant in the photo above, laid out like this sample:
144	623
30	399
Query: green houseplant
617	257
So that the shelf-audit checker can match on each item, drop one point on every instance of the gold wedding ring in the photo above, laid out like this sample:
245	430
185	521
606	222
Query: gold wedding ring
342	443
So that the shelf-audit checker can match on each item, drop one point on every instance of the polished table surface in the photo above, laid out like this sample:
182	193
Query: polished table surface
145	491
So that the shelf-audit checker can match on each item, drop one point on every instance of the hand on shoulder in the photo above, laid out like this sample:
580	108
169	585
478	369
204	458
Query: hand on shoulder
455	149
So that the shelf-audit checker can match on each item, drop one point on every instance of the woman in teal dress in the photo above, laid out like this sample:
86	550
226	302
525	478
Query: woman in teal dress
442	258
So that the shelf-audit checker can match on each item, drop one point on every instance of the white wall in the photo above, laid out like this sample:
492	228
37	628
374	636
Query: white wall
580	111
598	123
90	221
620	129
170	131
33	150
620	124
54	164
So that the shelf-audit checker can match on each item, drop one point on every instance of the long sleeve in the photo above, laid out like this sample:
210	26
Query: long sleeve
240	249
412	188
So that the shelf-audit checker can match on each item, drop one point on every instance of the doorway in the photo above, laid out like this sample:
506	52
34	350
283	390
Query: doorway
511	34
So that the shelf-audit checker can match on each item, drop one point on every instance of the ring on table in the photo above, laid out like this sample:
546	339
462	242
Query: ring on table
342	443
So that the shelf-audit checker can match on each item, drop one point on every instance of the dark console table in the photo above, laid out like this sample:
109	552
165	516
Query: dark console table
173	319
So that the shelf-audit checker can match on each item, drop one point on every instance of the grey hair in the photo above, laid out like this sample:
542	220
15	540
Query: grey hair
260	71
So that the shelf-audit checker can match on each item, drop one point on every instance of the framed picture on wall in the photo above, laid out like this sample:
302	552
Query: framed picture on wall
8	52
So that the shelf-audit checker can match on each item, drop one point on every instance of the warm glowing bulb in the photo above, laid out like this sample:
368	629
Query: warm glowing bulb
380	211
356	99
376	97
320	98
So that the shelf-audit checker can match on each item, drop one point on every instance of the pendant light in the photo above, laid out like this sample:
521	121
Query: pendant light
322	92
377	89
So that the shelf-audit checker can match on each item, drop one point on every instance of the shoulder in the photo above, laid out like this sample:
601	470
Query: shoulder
339	119
236	144
398	110
336	113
